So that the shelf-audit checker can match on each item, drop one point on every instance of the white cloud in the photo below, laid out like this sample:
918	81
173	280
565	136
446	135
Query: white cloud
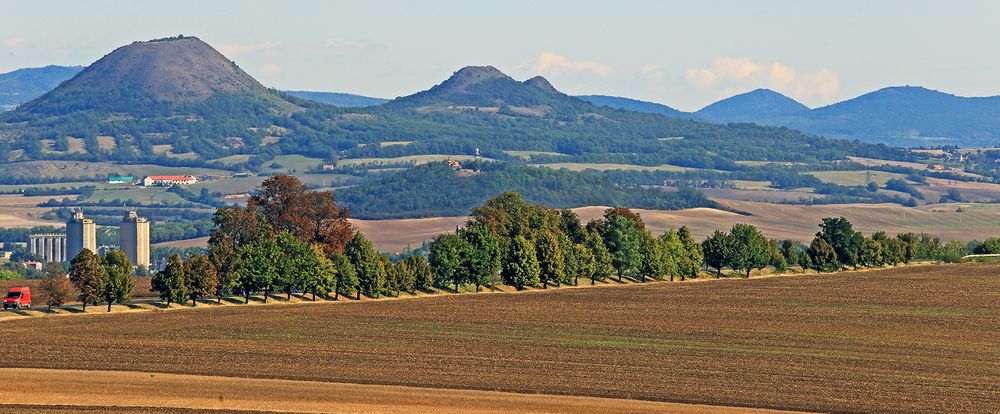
702	78
272	69
13	42
229	49
548	62
741	73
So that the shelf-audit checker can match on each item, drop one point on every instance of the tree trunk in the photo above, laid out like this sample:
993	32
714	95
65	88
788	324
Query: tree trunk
593	280
748	273
246	295
359	293
84	306
265	295
477	288
314	294
109	306
576	280
336	290
289	293
671	278
194	302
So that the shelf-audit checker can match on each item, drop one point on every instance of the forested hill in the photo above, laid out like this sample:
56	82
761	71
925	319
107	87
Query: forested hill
435	190
751	107
25	84
906	116
635	105
346	100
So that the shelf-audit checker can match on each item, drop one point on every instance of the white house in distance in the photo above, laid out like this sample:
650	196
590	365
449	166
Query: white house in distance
168	180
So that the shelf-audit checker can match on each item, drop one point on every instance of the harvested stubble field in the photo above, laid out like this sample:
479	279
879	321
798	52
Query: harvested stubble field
910	339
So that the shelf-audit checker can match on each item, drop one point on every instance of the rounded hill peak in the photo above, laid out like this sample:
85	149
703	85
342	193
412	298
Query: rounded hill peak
179	69
540	82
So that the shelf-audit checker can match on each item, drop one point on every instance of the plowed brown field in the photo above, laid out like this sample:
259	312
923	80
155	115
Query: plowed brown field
913	339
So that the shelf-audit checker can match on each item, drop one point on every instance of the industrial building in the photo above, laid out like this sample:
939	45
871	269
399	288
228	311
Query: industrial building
51	247
81	233
133	238
168	180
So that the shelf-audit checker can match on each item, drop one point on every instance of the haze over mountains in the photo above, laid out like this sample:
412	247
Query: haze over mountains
23	85
901	116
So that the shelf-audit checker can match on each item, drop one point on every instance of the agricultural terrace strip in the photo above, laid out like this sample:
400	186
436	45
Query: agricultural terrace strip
52	390
909	339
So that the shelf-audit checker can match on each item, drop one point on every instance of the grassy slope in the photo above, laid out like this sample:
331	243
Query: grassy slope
917	339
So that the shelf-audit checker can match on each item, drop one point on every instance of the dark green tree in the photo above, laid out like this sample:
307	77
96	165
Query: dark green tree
170	283
447	254
550	258
822	256
86	274
716	249
520	266
482	257
749	249
200	277
346	277
623	238
258	267
367	264
118	281
839	234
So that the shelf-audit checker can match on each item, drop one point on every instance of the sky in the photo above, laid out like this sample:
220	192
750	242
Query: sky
685	54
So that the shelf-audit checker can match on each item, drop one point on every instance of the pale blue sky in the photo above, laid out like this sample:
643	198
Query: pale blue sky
683	54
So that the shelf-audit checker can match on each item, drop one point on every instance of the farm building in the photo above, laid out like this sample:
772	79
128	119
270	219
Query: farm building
168	180
120	179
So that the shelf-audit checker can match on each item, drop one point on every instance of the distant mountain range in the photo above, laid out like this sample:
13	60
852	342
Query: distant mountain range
900	116
634	105
23	85
906	116
345	100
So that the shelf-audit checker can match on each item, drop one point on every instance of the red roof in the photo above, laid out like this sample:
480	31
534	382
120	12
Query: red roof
171	177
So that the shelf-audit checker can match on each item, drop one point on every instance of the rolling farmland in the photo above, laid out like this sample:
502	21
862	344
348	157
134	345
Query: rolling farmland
909	339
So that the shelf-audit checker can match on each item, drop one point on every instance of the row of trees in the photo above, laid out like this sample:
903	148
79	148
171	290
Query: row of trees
835	247
290	239
108	279
515	243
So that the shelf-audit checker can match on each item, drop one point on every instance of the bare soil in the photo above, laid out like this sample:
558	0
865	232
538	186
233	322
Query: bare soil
912	339
64	391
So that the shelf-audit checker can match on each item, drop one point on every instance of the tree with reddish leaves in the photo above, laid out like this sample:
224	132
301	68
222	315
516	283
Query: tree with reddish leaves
313	216
611	213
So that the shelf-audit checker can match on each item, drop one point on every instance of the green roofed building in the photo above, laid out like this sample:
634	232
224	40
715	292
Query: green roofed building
120	179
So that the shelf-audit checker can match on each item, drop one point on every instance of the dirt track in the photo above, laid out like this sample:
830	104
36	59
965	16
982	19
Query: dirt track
60	391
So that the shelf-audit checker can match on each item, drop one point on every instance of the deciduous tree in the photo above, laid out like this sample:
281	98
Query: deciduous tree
367	264
86	275
258	267
748	250
447	253
118	281
520	267
200	277
481	261
171	282
716	248
54	285
550	258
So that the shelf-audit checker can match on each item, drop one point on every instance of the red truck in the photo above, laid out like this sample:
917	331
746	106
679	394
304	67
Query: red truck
18	297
